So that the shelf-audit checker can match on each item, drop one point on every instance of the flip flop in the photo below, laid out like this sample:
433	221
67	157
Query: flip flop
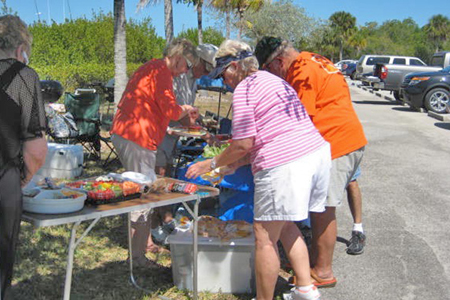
153	248
321	282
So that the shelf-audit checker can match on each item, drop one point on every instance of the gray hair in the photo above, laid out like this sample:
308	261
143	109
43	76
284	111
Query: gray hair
13	33
182	47
233	48
280	51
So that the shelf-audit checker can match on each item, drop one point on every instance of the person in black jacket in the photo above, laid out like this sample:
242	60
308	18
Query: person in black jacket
22	135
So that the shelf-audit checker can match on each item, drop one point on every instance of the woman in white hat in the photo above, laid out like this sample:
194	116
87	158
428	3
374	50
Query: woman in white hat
290	161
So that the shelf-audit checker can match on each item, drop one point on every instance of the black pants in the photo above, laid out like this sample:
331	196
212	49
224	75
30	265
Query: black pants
10	216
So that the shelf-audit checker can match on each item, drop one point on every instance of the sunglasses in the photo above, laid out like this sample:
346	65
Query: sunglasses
189	64
223	71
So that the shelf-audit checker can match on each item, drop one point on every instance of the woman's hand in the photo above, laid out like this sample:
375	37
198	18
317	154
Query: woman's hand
198	169
193	115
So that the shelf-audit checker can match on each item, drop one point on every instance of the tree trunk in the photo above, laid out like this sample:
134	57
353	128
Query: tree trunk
240	24
199	22
120	50
341	49
228	24
168	20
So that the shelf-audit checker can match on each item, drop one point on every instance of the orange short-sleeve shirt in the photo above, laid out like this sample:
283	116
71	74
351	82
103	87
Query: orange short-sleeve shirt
147	105
325	94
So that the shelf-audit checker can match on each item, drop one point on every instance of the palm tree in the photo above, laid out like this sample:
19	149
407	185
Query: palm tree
199	8
359	41
224	7
120	50
438	30
343	23
168	16
239	7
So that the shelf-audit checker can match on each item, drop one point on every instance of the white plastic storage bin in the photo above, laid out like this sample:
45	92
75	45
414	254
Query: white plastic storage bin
62	161
225	266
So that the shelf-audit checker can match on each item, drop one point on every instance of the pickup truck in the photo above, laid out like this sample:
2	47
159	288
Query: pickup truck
390	77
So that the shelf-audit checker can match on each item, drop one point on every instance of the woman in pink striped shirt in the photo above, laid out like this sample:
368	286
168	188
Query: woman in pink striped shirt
290	162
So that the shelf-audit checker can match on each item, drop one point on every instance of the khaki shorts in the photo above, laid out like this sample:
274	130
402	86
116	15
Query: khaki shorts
138	159
342	170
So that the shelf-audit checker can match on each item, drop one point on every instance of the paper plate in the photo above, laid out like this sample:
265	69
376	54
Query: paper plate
189	131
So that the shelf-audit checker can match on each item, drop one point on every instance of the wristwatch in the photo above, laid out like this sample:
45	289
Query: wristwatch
213	163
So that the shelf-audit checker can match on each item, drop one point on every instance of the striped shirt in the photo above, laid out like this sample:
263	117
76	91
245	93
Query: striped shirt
267	108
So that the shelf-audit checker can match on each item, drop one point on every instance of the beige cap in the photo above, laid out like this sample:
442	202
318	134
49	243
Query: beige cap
207	52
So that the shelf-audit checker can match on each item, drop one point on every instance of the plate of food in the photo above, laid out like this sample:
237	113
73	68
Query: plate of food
189	131
54	201
106	191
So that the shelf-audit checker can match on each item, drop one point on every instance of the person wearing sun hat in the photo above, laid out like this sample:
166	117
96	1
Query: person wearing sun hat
325	94
290	163
185	89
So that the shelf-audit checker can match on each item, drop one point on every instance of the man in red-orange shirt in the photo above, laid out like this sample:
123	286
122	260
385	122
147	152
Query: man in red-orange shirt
326	96
140	123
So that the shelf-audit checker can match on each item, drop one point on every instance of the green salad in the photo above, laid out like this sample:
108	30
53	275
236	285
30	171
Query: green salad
211	151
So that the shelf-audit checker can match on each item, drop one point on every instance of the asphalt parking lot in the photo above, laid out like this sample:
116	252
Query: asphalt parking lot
387	95
405	187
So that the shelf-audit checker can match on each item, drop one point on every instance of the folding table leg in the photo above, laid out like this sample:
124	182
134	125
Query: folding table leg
194	215
73	244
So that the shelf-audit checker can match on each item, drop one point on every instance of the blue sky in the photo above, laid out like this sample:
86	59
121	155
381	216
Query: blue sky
185	16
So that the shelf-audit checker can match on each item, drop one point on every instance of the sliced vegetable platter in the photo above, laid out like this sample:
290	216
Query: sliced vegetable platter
106	190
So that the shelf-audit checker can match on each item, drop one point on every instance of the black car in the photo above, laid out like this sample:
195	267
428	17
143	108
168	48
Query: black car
430	90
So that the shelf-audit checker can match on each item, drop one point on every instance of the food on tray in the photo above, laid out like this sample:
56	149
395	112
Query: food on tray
209	226
189	130
104	178
71	194
211	151
107	189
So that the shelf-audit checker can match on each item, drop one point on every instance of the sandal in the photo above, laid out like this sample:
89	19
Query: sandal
153	248
321	282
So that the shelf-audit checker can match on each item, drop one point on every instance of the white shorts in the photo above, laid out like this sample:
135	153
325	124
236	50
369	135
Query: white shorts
138	159
288	192
342	170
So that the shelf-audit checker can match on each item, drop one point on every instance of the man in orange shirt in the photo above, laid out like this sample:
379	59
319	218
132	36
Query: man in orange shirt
326	96
147	105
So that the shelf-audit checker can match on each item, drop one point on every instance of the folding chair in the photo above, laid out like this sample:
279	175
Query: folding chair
84	105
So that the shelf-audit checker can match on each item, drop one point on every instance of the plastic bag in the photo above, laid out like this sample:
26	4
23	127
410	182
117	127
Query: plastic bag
61	125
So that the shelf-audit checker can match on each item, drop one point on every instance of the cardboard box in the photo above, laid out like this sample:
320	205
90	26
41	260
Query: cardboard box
62	161
223	266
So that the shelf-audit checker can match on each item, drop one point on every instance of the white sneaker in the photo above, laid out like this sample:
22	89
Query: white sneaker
296	294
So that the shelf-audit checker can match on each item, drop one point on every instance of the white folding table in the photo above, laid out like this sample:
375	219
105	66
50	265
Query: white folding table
95	213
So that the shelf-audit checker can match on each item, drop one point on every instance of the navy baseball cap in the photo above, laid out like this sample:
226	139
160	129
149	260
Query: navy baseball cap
223	62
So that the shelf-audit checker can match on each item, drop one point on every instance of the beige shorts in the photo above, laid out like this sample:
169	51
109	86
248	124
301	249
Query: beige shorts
138	159
288	192
342	170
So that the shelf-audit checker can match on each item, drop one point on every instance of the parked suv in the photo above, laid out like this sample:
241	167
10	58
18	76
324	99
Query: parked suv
430	90
367	62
